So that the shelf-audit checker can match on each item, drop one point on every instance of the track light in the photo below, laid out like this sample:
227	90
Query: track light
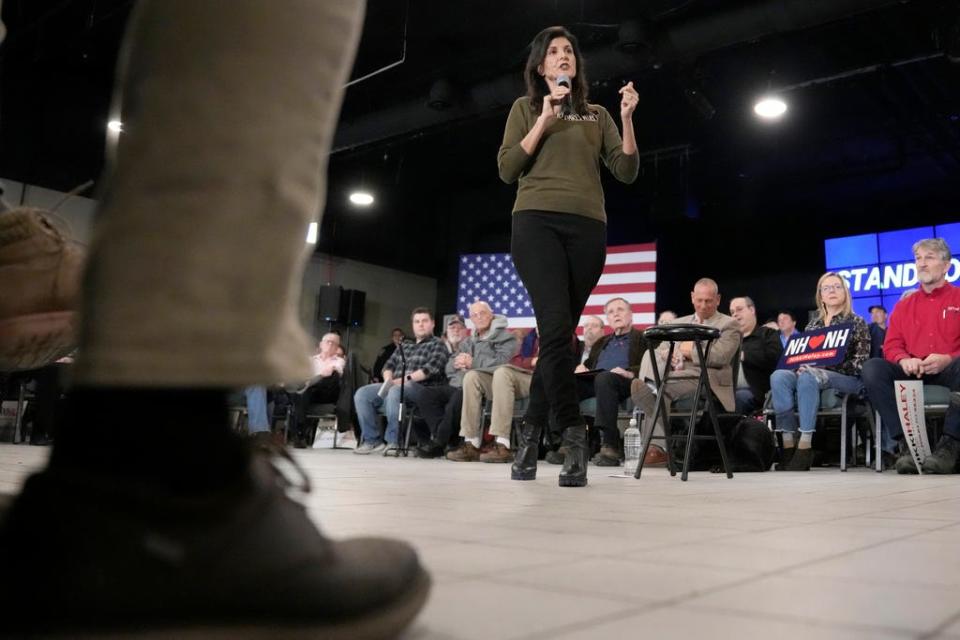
361	198
770	108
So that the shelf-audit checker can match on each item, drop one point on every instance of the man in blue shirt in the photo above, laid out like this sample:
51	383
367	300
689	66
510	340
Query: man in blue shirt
787	322
619	355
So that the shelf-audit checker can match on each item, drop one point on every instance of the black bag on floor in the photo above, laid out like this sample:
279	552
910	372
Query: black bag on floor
750	445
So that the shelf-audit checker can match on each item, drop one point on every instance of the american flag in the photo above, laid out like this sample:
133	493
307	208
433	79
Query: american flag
630	272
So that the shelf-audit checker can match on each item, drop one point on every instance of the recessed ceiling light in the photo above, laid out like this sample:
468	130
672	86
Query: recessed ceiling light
115	125
361	198
770	108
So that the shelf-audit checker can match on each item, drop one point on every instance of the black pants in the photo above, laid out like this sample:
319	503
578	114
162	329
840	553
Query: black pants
610	390
440	408
559	257
326	391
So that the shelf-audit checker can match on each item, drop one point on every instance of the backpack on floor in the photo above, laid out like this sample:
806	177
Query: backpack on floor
749	443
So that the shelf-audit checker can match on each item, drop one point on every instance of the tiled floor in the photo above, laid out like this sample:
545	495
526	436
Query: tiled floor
820	555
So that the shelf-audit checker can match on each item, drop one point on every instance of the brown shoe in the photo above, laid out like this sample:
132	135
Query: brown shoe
608	457
39	285
656	457
464	453
497	453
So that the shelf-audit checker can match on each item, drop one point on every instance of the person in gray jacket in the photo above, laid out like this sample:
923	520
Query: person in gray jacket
490	346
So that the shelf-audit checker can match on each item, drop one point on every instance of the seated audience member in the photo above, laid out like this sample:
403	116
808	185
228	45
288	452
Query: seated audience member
787	324
425	357
923	342
455	332
798	391
666	316
878	330
322	388
592	331
490	346
685	363
396	336
619	356
439	406
255	399
759	353
506	384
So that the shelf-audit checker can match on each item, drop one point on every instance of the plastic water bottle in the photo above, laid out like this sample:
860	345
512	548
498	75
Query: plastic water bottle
631	446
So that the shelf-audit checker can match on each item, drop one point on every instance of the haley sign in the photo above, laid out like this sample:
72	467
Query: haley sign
818	347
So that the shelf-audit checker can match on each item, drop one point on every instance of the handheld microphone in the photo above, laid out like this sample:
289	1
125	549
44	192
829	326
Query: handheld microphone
566	105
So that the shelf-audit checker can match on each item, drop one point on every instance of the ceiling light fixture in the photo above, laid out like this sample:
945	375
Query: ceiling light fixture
361	198
770	108
115	125
312	233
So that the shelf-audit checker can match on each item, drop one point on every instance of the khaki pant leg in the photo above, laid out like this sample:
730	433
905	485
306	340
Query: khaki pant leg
229	109
477	385
508	385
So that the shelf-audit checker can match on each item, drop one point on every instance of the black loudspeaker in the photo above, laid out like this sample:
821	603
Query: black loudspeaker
328	307
353	306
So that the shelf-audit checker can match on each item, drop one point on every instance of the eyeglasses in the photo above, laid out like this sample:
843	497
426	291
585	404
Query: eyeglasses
827	288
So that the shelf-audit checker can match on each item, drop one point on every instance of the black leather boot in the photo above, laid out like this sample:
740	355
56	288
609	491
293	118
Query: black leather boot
574	471
525	463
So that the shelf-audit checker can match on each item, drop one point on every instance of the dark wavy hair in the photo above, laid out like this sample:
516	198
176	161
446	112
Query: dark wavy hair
537	87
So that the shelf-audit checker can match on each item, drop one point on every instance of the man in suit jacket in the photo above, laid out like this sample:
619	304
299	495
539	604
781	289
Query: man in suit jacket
685	364
619	355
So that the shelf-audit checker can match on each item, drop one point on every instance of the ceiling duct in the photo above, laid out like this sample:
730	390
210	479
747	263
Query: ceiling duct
684	39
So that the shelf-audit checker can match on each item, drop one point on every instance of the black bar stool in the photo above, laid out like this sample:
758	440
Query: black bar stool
699	334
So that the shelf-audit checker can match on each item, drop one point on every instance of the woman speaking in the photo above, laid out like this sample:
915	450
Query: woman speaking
553	144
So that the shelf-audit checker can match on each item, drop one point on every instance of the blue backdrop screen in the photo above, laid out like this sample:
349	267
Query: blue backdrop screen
879	267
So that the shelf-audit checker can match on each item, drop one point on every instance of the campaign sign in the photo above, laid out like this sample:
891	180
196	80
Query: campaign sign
817	348
909	394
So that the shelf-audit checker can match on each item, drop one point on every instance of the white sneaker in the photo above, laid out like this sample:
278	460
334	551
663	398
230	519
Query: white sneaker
367	448
390	449
346	440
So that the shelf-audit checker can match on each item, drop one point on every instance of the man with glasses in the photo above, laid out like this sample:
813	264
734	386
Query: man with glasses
490	346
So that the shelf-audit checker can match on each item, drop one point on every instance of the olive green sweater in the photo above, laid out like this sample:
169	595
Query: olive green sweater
563	174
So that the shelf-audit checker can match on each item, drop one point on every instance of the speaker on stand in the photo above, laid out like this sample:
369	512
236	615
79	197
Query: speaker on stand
329	305
353	304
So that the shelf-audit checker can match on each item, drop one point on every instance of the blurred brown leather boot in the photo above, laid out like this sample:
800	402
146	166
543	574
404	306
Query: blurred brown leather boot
39	282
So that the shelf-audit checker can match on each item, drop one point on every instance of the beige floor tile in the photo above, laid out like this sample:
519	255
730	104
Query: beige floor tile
688	559
834	601
903	562
486	610
625	579
684	622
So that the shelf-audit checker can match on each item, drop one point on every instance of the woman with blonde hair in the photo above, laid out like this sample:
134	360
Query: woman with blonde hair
796	393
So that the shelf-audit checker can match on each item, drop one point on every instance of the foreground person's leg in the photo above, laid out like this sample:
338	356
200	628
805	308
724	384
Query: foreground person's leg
151	513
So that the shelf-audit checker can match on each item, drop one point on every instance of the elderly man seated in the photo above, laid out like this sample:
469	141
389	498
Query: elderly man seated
502	387
617	357
322	388
490	346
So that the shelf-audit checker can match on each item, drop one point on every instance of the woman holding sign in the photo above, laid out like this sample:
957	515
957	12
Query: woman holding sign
796	392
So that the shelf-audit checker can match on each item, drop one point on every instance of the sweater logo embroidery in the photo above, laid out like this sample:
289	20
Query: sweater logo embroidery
574	117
